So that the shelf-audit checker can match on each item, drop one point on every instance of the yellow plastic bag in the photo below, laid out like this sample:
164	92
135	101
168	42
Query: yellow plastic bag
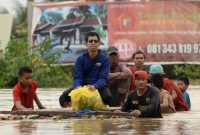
82	98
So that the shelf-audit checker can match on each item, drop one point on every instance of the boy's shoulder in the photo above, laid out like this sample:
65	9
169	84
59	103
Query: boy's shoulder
18	86
185	93
34	84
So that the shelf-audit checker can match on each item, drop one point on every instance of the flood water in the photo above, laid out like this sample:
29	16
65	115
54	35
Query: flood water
181	123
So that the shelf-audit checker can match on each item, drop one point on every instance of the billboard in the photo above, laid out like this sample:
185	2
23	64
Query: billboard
168	32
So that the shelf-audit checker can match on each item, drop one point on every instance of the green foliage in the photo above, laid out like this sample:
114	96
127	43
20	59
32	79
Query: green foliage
3	75
44	72
42	62
80	11
192	71
177	71
53	76
170	71
101	10
14	57
99	29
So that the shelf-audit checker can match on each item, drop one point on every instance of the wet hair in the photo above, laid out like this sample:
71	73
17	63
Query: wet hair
62	100
185	80
138	52
23	70
91	34
157	80
64	97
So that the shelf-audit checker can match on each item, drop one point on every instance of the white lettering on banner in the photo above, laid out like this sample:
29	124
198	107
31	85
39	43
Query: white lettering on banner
126	47
186	48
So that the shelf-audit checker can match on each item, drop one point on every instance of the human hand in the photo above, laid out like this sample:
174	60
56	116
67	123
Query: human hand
91	87
174	95
42	107
117	111
136	113
67	104
28	109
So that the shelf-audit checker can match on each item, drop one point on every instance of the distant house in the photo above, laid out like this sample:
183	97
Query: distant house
42	30
69	32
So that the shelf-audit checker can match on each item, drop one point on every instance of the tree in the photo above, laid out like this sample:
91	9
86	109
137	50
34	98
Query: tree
80	11
51	17
101	10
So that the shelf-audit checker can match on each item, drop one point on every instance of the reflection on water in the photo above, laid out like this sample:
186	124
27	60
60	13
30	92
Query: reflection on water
25	127
181	123
99	127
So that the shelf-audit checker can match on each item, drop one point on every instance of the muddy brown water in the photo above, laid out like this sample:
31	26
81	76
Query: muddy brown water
181	123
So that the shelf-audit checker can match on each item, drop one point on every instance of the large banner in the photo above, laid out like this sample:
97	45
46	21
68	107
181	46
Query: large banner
168	32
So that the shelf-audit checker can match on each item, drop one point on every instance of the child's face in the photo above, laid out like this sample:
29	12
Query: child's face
25	79
67	104
182	86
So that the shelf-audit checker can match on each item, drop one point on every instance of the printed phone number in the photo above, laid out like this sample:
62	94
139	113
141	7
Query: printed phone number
174	48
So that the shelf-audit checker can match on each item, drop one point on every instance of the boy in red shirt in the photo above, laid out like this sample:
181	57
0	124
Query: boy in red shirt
24	92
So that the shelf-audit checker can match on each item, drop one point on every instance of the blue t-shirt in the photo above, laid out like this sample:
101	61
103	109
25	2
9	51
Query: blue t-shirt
187	98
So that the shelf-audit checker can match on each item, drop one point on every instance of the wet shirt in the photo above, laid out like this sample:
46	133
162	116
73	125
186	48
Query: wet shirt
132	85
25	98
187	98
91	71
148	103
179	102
171	107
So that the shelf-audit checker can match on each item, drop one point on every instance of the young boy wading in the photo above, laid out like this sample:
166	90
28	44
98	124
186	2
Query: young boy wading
24	92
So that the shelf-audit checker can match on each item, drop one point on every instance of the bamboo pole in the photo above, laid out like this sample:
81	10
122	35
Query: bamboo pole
37	112
63	112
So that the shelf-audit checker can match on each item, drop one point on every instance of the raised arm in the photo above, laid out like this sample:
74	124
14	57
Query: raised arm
125	73
165	102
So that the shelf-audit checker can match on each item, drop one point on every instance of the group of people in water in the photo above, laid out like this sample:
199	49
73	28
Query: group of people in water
139	92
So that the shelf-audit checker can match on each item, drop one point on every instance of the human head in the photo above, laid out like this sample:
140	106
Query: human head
157	81
156	69
112	50
113	55
65	100
91	34
140	79
183	83
25	75
138	59
92	40
138	52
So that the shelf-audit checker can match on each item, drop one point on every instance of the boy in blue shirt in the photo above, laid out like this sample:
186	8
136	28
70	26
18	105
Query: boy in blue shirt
183	84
